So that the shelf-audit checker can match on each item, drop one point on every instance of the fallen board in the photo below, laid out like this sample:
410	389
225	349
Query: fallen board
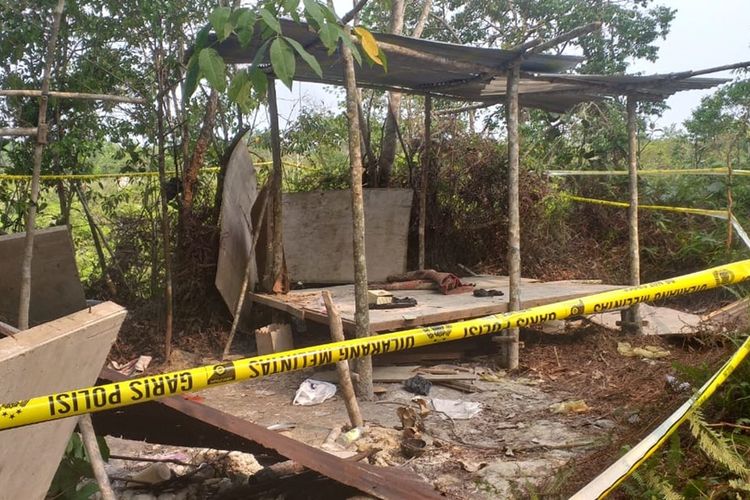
53	357
396	374
239	195
56	288
432	307
318	234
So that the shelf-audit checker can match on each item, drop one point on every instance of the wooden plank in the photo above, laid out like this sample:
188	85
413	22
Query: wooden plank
396	374
240	193
56	288
318	234
433	307
57	356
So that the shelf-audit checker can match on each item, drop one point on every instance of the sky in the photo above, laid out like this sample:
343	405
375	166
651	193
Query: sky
704	34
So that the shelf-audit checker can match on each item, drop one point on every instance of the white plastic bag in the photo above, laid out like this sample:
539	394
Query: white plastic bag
313	392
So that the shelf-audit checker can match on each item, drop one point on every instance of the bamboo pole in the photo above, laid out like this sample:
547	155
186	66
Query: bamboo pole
73	95
246	277
88	436
363	366
277	250
168	295
424	179
342	367
631	318
510	350
41	140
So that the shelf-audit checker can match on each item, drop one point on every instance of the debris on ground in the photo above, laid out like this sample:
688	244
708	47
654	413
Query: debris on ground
418	385
576	406
456	409
133	367
313	392
647	351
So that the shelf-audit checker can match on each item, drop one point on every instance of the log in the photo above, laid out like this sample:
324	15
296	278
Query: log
73	95
342	367
95	457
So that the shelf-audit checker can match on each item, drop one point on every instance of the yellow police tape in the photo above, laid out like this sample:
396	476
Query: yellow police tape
606	482
653	171
118	175
139	390
719	214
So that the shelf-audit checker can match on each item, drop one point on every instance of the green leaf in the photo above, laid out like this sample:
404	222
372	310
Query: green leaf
238	15
290	6
383	59
245	35
219	19
260	81
313	11
282	61
308	58
270	20
347	39
329	34
239	89
192	76
213	68
201	39
369	44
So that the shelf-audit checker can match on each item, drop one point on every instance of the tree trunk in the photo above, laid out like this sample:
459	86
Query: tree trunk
510	350
276	258
361	315
631	318
41	140
424	179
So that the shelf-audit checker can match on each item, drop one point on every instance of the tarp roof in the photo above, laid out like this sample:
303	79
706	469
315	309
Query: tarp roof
467	73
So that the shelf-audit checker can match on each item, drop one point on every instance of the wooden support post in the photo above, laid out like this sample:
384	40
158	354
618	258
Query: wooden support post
95	239
424	179
276	257
363	366
631	318
95	457
41	140
510	351
342	367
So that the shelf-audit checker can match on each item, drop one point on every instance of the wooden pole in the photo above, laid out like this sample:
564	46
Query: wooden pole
18	132
41	140
510	351
88	436
277	251
424	179
631	318
246	278
73	95
95	239
168	298
342	367
363	366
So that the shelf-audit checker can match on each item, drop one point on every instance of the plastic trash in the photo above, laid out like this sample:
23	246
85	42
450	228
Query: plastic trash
456	409
313	392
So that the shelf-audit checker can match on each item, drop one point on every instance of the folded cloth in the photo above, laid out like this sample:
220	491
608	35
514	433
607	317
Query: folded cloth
448	283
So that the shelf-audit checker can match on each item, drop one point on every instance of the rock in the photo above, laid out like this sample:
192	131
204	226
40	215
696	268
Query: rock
144	496
504	478
605	424
167	496
634	419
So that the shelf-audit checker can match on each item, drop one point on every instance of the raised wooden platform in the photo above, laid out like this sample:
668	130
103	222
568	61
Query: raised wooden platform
432	306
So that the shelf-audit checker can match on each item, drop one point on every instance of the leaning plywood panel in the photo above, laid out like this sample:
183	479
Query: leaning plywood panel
55	286
61	355
318	234
240	193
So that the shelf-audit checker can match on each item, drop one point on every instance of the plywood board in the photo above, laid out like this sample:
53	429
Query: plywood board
240	193
318	234
56	288
432	306
61	355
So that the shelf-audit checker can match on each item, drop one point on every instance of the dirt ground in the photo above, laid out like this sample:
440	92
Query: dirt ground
517	446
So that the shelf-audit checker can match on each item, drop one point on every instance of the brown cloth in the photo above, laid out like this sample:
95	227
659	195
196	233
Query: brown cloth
447	283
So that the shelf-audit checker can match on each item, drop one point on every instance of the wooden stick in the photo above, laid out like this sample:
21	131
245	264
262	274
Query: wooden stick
342	367
41	140
361	312
95	458
424	179
18	132
246	277
95	239
73	95
567	36
277	237
8	330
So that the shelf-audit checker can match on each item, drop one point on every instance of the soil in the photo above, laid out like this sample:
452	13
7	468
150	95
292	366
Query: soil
516	446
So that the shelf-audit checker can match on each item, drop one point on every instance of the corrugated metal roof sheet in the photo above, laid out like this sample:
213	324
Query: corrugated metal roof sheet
467	73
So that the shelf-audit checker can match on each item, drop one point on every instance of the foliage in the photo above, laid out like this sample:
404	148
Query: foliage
75	467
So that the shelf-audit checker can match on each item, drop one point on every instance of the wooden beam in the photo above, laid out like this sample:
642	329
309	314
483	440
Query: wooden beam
566	37
632	317
73	95
277	239
424	179
510	350
18	132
